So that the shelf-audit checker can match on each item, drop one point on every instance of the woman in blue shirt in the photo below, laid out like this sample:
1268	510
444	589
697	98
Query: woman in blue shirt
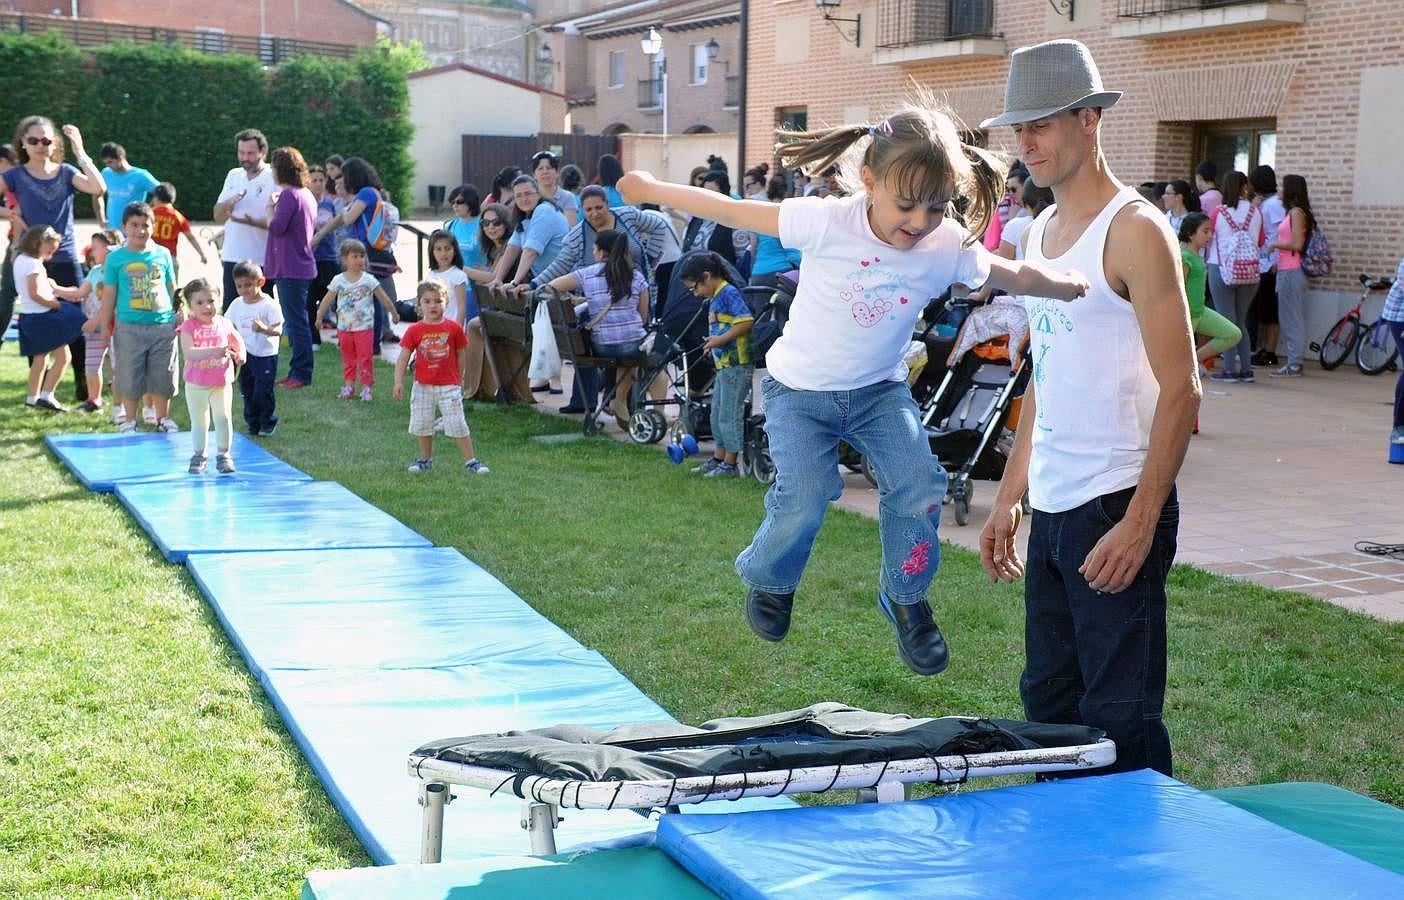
540	230
467	206
772	258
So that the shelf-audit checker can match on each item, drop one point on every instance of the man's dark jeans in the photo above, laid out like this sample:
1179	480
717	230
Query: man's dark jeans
1094	658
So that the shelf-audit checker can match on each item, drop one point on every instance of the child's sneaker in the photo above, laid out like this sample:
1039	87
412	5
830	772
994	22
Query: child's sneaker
267	430
197	464
722	470
476	467
421	465
119	415
148	415
89	406
224	464
126	426
366	394
706	468
168	425
347	393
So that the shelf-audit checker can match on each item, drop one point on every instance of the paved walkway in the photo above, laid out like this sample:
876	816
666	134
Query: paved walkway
1284	478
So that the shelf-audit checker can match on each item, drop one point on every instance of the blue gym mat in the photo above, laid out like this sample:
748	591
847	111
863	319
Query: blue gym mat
368	654
409	607
212	515
102	461
1135	834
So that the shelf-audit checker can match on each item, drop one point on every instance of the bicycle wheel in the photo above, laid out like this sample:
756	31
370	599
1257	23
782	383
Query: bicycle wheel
1340	340
1375	351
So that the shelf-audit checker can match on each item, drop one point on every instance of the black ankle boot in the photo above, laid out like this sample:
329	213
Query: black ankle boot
919	641
769	614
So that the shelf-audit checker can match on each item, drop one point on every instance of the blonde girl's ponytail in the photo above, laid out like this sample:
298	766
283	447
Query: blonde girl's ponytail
815	151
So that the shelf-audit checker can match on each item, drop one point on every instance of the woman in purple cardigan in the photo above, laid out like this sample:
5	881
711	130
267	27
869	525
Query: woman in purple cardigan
289	263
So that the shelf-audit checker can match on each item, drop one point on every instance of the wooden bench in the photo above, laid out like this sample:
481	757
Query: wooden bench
505	319
573	343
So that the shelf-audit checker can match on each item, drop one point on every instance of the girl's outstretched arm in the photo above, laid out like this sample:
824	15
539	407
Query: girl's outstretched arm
751	215
1033	280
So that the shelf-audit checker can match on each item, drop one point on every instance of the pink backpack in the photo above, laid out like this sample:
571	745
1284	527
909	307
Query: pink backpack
1238	259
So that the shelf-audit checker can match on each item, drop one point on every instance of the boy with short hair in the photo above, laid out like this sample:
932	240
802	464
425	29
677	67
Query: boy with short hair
170	223
126	184
441	354
259	320
138	288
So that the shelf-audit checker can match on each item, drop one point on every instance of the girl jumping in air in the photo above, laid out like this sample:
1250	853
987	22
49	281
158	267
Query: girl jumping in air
871	262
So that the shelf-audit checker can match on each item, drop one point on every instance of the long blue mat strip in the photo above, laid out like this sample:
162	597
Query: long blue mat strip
369	641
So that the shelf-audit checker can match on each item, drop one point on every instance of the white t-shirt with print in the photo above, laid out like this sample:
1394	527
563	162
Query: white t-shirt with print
453	276
355	301
859	297
242	314
246	241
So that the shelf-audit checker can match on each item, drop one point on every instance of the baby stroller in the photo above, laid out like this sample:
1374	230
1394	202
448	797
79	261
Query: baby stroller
772	311
971	416
676	358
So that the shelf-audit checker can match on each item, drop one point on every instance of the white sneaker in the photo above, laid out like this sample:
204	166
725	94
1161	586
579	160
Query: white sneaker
119	415
148	415
127	427
168	425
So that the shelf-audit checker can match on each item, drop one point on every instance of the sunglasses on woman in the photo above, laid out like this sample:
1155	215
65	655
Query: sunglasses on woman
35	142
488	223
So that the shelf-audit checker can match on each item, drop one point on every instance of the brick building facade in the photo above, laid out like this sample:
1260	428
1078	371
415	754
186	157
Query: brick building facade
1311	86
329	21
485	35
616	88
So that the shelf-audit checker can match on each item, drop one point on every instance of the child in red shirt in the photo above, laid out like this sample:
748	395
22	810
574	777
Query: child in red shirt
168	224
441	354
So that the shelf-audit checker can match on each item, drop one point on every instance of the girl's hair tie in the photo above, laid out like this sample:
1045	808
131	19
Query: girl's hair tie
883	128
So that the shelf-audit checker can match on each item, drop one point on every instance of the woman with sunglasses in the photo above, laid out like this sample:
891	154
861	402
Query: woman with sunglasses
44	185
546	167
467	204
494	230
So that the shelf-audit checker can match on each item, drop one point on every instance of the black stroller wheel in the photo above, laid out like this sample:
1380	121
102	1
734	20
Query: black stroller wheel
960	502
647	426
758	460
867	469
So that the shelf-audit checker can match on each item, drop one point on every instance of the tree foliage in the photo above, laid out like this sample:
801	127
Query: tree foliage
176	110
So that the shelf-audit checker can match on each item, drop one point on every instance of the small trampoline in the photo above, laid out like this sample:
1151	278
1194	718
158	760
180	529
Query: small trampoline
661	766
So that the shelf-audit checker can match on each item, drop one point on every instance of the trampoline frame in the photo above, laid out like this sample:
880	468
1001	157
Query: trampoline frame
881	782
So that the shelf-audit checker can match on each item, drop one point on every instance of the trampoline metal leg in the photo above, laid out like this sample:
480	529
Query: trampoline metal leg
433	796
540	824
885	792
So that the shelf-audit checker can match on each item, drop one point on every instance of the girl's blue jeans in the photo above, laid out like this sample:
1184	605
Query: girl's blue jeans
730	390
882	422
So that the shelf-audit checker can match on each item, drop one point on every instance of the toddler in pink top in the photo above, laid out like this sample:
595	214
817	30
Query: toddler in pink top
212	347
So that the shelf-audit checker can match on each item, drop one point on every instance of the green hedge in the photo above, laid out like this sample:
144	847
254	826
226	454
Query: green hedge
176	111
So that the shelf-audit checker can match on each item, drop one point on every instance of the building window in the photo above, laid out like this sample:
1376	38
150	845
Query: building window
450	36
1239	145
699	64
616	68
431	35
792	118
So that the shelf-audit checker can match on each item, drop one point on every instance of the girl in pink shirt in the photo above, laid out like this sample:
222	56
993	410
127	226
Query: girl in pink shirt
211	347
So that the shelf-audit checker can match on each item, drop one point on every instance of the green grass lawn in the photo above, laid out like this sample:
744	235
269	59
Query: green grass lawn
140	758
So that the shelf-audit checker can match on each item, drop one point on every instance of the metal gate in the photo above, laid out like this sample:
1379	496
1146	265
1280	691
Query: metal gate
486	155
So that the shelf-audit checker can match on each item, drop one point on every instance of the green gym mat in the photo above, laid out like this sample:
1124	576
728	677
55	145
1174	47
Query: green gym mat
1364	828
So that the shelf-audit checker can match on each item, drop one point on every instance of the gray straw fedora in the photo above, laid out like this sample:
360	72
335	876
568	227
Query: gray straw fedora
1048	78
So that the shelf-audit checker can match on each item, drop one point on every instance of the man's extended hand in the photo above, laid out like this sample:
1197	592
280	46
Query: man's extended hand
999	553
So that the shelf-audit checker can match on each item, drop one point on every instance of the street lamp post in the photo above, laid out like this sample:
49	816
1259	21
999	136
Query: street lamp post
652	44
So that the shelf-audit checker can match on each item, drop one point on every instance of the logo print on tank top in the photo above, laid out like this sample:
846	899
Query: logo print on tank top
1045	319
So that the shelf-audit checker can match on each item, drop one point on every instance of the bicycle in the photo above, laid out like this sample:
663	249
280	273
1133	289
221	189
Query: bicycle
1342	337
1376	351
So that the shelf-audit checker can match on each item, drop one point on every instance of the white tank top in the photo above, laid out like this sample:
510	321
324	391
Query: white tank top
1095	392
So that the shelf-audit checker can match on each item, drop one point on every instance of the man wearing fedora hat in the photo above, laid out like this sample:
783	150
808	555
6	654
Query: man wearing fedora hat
1105	423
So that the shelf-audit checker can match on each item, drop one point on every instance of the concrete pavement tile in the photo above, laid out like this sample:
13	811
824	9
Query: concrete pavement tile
1377	607
1374	585
1279	580
1238	568
1328	591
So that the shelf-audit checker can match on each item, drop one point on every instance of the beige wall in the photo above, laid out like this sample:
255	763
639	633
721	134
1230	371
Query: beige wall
685	152
689	105
447	105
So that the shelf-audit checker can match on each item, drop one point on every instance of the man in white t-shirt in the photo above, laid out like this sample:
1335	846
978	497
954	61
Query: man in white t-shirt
242	206
1105	422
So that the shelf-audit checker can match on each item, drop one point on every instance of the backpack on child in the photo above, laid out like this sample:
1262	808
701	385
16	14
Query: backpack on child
1238	261
380	229
1316	255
